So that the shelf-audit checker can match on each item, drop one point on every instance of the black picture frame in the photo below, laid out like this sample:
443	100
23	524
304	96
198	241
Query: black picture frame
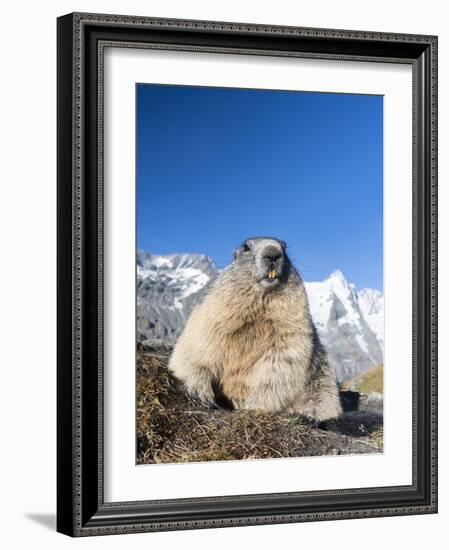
81	509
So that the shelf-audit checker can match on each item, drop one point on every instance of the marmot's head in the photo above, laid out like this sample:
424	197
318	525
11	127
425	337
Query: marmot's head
265	259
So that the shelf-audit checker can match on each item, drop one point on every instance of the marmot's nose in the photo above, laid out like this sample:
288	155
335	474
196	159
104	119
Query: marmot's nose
272	254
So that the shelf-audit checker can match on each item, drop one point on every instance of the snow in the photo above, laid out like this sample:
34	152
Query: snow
320	302
347	296
361	342
159	261
371	303
321	297
197	280
360	308
143	272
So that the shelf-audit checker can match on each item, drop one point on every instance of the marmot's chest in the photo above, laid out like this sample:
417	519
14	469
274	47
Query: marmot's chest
250	339
241	351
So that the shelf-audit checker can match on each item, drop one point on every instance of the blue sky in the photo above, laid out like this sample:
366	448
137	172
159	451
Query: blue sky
218	165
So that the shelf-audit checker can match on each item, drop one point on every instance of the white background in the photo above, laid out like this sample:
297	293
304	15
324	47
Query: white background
27	300
123	481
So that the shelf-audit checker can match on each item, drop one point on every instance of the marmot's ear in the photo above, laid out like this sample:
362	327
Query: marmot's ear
235	254
284	244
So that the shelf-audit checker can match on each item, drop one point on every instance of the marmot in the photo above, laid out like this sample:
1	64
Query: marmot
252	339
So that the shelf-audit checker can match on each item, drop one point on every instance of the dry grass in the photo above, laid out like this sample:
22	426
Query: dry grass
172	428
371	381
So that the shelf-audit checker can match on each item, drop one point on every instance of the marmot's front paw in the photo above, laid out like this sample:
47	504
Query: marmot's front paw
203	395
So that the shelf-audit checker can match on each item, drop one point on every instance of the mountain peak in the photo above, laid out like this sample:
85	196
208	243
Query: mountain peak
175	262
337	276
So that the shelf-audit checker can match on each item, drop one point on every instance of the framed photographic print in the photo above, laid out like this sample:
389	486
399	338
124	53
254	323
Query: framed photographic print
247	283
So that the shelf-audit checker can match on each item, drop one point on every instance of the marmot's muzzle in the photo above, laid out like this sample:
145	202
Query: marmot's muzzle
273	258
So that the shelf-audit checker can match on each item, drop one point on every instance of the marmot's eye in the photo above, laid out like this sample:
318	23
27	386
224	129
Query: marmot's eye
246	248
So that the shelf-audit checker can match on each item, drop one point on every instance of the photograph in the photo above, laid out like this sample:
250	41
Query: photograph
259	273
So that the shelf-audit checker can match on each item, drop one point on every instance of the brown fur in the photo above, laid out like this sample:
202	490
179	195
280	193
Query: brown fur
259	347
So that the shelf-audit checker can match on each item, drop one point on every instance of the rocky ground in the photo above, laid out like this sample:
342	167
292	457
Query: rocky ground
172	428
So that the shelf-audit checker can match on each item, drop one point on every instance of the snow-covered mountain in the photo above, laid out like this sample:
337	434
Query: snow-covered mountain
350	323
167	289
371	304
